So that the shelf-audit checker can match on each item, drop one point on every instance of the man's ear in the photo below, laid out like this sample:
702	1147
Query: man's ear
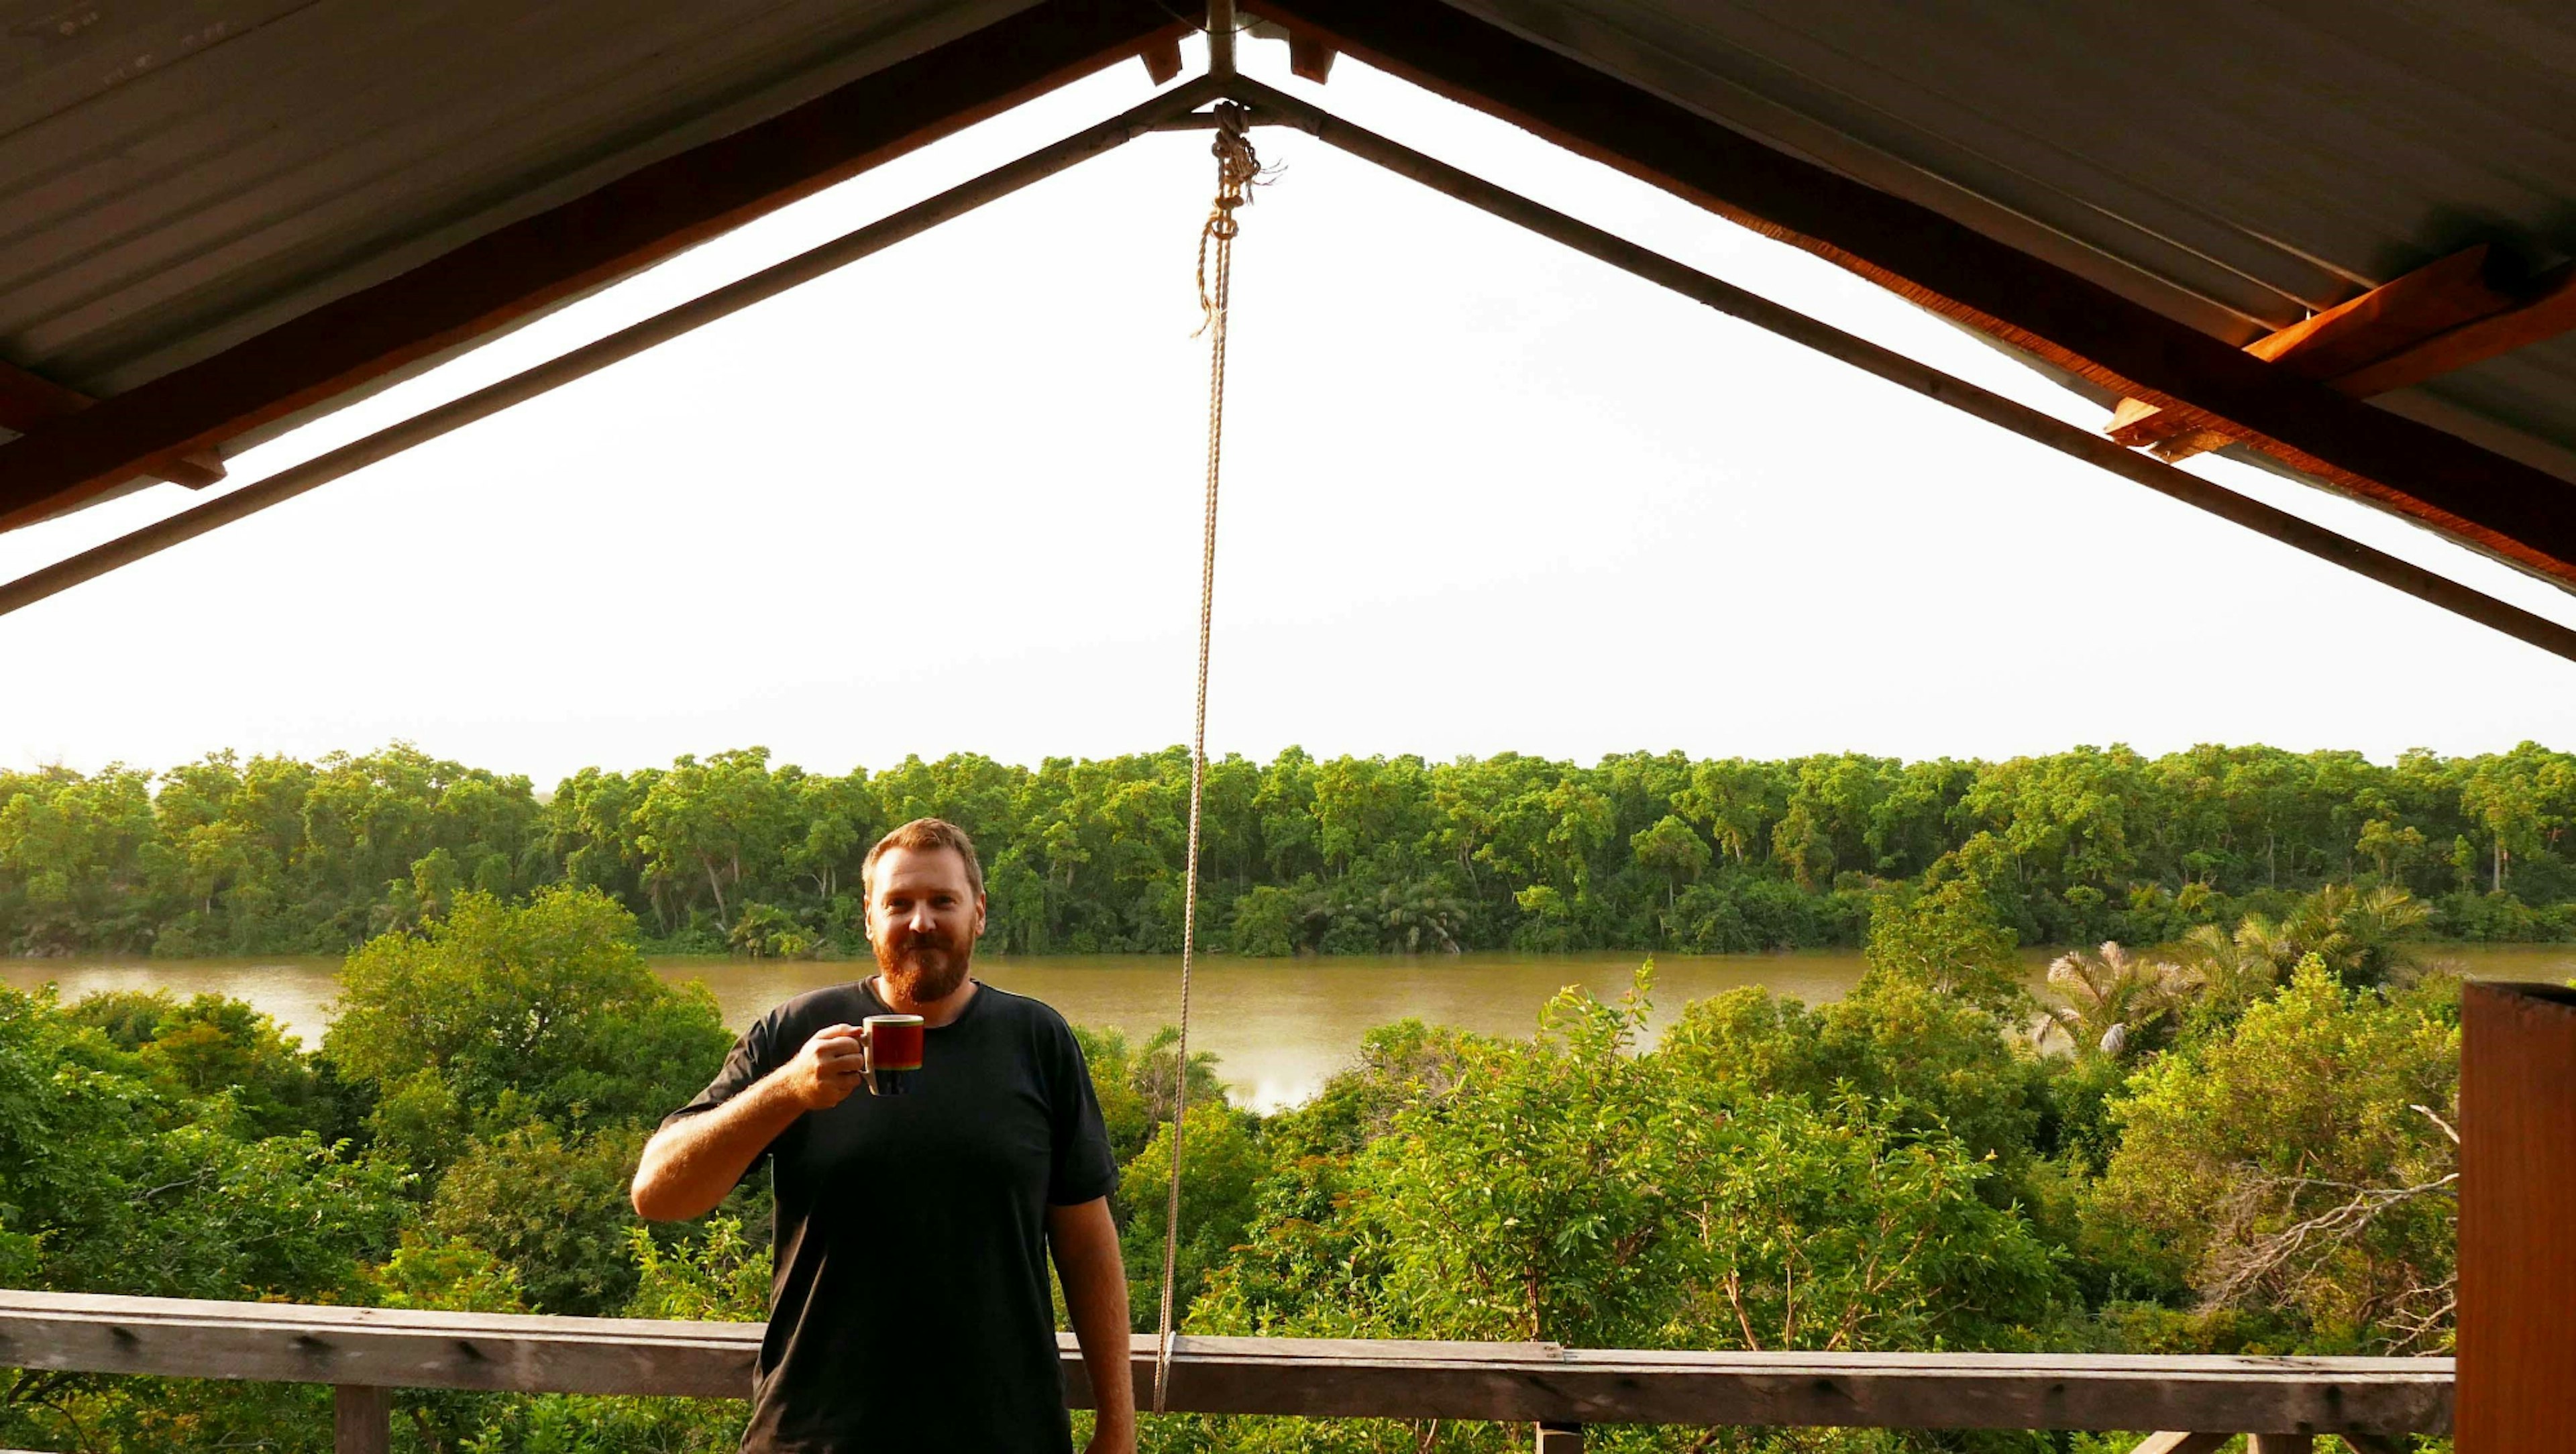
980	905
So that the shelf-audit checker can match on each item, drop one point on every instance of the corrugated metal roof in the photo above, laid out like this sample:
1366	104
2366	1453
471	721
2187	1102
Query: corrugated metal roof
2235	165
176	175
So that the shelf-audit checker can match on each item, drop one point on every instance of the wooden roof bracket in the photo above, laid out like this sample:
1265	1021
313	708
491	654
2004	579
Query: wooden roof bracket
2445	315
29	399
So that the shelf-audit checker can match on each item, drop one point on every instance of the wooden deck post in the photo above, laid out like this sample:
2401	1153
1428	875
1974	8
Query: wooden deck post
1556	1438
2517	1181
362	1419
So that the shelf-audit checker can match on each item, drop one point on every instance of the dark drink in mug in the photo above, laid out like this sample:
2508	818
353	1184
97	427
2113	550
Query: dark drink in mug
893	1047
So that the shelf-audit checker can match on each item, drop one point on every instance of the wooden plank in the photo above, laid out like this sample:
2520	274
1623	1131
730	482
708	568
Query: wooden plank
384	1347
2183	1444
2281	1444
29	399
2517	1290
1510	1382
2512	510
1547	1438
1162	58
2389	319
362	1420
644	216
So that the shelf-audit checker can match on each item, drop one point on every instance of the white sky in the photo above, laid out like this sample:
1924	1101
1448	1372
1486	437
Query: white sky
1482	494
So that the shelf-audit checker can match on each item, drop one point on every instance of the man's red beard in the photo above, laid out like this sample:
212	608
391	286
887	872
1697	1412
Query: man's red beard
924	967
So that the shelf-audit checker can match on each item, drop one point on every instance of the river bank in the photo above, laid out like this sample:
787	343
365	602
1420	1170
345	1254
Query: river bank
1277	1026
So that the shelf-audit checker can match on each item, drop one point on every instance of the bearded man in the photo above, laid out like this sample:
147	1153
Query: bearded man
909	1310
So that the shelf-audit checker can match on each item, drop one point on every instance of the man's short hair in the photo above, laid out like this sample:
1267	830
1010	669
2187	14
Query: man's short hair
921	835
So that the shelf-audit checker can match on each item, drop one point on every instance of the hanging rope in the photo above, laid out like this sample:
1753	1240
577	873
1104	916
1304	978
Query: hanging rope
1237	168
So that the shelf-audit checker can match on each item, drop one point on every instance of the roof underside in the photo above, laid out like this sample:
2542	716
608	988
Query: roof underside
177	176
2234	167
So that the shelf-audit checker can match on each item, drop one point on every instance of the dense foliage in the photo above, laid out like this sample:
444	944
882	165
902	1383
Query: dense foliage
2236	1142
1638	852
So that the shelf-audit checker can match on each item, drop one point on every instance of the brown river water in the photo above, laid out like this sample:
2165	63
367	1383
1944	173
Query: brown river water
1278	1027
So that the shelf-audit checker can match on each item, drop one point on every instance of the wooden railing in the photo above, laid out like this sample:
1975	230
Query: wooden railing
367	1352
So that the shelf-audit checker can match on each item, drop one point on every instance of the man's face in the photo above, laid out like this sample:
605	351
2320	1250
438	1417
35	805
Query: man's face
923	921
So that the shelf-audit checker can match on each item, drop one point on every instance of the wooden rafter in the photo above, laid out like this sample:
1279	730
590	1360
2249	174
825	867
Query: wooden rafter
2502	506
28	399
2445	315
2389	319
639	218
2549	312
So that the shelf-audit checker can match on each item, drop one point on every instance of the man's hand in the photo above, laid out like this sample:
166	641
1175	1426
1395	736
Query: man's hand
692	1164
829	1067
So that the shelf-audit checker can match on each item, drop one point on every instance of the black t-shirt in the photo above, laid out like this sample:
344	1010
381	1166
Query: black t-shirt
910	1308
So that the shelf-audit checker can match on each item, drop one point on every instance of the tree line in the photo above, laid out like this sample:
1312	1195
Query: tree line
2235	1143
1640	851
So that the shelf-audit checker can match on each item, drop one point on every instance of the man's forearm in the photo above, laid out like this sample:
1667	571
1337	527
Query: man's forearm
1101	1329
1095	1296
690	1167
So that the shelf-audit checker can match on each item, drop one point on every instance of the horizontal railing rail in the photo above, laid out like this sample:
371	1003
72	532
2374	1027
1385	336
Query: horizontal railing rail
362	1350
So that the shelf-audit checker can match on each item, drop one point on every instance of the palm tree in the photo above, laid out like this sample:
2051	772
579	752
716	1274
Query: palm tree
2115	999
2357	935
1418	916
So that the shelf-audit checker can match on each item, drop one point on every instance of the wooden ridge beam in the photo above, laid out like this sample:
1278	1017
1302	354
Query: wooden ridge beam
639	218
29	399
1313	1377
2509	509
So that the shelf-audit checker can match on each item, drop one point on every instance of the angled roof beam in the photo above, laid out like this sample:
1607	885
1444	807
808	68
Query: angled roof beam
28	399
625	343
2031	424
2508	509
639	218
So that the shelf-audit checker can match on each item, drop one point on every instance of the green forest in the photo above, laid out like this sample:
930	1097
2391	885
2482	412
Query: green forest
2235	1140
1348	855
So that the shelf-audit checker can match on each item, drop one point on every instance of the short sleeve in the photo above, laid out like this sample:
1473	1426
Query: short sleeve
1084	1169
752	1058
